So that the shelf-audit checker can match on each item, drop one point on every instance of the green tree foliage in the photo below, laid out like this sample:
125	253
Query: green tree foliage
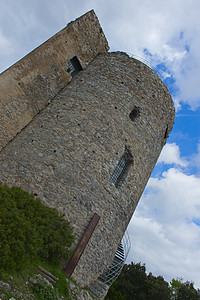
157	288
133	281
183	290
114	293
30	230
134	284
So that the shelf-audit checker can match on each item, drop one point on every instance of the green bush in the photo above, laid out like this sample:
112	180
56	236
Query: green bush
30	230
43	291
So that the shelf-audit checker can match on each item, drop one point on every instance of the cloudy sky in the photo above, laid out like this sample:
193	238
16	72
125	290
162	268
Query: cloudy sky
165	229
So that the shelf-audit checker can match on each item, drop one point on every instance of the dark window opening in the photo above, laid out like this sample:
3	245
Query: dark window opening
135	113
166	133
121	170
74	66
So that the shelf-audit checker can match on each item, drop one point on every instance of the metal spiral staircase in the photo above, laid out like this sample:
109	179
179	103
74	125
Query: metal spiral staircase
115	268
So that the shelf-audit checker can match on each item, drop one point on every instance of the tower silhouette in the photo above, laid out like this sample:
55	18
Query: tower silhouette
87	138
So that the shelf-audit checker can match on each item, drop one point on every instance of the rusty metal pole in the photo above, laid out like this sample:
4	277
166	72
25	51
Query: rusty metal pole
82	244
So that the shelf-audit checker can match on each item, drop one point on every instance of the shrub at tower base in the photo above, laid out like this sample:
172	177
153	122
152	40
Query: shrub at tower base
30	231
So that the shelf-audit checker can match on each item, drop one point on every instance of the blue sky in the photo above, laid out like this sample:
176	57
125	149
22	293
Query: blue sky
165	229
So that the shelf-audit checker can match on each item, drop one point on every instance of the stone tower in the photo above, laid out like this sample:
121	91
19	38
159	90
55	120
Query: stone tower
85	145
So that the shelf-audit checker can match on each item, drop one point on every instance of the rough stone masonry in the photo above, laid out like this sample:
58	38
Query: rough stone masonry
31	83
92	148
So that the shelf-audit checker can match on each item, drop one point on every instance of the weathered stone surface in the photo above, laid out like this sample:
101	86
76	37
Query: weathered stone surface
99	289
84	295
29	85
67	154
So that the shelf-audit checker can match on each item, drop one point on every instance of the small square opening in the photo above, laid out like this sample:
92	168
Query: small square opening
74	66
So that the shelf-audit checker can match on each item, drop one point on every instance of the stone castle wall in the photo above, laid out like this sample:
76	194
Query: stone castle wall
116	106
31	83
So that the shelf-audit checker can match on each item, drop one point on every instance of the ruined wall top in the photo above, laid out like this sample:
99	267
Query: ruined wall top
31	83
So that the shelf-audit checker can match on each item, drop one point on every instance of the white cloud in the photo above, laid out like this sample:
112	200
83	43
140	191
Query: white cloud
162	230
177	103
195	159
4	43
171	155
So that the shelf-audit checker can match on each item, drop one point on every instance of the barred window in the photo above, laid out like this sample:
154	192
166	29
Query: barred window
74	66
119	171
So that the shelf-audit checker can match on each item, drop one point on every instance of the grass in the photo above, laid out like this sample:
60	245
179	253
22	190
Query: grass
20	283
31	235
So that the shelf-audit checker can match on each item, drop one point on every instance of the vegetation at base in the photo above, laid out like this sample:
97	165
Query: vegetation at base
134	284
43	291
32	235
21	287
29	231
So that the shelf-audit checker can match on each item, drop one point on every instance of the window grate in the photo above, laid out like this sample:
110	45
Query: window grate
119	171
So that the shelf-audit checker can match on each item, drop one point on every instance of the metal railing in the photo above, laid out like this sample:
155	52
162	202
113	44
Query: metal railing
121	254
150	65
